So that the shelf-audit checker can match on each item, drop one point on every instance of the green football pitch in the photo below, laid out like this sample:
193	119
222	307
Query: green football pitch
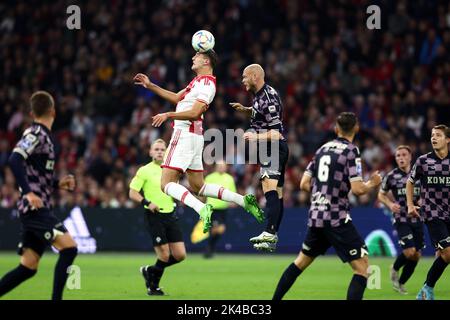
245	277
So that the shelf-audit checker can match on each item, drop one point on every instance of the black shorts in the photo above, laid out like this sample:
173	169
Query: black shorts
345	239
219	217
39	230
439	231
275	169
163	228
410	235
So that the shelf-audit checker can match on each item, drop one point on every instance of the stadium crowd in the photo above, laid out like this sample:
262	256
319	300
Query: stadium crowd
319	55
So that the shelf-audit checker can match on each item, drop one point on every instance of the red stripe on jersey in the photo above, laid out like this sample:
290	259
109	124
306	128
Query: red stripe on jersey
173	145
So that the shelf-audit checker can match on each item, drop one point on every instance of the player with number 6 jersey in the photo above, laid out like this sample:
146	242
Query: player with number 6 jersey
333	172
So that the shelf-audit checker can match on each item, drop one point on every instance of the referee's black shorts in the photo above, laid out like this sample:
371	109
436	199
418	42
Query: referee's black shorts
163	227
276	167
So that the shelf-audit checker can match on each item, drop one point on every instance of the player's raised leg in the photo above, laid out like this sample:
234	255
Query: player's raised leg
248	202
170	186
67	248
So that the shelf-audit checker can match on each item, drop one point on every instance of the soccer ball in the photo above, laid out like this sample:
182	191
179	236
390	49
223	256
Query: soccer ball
203	41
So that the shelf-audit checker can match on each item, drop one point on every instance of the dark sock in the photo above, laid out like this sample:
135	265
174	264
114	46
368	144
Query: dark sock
436	271
400	261
273	211
213	239
286	281
161	265
15	277
66	258
407	271
357	287
281	214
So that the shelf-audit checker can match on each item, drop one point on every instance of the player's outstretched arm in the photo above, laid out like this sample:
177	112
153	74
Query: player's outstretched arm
192	114
359	187
239	107
142	80
412	209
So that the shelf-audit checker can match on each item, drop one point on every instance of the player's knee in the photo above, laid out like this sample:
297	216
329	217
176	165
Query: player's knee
195	187
361	267
410	253
164	256
418	255
180	256
30	263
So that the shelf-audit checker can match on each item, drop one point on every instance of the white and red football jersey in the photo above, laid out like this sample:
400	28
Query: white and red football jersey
201	88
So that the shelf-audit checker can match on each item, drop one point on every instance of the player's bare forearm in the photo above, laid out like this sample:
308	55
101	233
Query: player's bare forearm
167	95
192	114
409	193
305	183
143	80
239	107
384	199
270	135
360	188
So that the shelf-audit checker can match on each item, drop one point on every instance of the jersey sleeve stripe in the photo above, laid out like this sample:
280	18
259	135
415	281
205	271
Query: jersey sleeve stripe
21	152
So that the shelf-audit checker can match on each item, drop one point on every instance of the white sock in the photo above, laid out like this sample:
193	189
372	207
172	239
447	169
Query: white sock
219	192
179	192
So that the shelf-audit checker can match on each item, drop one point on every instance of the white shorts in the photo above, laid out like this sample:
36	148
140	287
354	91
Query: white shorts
185	152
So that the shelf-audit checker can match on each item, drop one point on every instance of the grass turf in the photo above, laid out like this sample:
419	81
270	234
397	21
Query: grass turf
244	277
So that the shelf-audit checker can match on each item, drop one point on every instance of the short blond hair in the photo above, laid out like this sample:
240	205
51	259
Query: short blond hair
159	141
403	146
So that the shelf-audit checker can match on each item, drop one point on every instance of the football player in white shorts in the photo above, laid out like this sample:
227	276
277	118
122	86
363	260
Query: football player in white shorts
185	151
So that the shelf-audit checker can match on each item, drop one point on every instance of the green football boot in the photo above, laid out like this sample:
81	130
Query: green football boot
205	216
251	205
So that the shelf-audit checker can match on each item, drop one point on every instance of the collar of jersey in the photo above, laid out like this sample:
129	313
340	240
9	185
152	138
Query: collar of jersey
42	126
261	90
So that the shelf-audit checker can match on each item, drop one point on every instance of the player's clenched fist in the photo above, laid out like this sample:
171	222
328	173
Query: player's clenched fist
67	183
142	80
376	179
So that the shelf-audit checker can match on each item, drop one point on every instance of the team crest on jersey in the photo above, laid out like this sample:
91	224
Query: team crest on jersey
28	141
